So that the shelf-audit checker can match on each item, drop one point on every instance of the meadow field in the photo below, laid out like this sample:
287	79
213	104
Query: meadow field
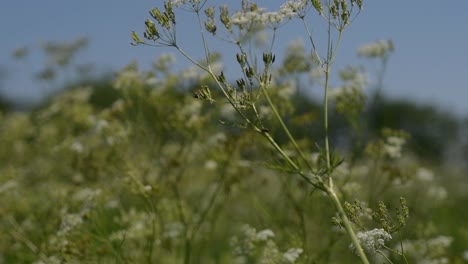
197	165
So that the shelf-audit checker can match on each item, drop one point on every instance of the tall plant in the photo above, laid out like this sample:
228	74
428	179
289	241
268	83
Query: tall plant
253	89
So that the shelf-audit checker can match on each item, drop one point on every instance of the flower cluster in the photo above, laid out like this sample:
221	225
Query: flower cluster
373	240
259	247
431	250
378	49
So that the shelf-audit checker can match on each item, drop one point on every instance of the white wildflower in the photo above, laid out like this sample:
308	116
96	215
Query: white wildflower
264	235
292	254
86	194
101	124
264	111
372	240
69	222
351	188
178	2
77	146
393	146
428	251
380	48
153	81
424	174
288	89
294	8
465	255
211	165
228	112
244	19
438	193
218	138
440	241
272	17
191	111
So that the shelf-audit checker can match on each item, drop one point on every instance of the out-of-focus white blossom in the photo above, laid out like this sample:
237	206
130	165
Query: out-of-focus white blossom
393	146
77	146
288	89
259	247
264	111
437	193
377	49
351	188
292	255
424	174
86	194
465	255
211	165
227	112
424	251
264	235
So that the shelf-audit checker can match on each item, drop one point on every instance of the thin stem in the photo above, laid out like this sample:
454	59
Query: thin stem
283	125
187	242
309	33
385	257
253	126
325	99
273	39
205	45
402	248
318	184
17	234
211	200
263	89
325	117
347	224
329	188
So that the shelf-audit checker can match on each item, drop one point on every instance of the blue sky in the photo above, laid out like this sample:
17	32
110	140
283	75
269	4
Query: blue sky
430	64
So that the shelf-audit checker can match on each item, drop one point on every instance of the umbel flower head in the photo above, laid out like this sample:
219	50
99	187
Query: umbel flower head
372	240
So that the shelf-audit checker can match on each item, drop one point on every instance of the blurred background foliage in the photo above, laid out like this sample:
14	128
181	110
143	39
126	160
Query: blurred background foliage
129	167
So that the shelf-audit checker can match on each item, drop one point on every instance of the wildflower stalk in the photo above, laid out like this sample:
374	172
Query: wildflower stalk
324	181
347	224
385	257
252	125
278	117
331	54
283	125
402	248
309	34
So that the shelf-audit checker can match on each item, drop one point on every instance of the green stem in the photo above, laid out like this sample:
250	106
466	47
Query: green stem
331	54
309	33
317	184
325	118
283	125
347	224
385	257
264	91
